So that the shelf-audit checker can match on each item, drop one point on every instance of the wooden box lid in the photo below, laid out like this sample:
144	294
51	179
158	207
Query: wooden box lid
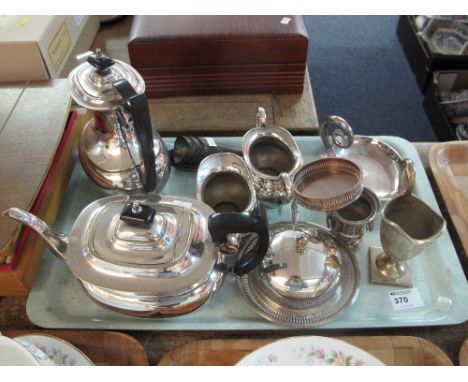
166	41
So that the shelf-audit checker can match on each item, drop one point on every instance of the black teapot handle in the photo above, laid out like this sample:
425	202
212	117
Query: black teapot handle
138	106
255	221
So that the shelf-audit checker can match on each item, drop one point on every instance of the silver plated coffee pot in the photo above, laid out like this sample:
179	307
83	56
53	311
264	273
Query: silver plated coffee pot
118	148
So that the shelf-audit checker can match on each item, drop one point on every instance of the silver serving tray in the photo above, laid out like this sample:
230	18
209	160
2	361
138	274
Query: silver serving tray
384	171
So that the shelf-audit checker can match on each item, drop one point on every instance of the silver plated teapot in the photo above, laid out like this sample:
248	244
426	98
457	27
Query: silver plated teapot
151	255
118	148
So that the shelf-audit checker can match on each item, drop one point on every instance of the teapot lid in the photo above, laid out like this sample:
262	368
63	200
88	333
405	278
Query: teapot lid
303	261
169	251
91	83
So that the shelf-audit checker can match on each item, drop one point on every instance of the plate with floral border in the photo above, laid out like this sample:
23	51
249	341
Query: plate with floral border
309	351
61	352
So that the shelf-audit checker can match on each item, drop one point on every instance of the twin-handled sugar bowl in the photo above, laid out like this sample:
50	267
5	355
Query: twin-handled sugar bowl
272	156
351	222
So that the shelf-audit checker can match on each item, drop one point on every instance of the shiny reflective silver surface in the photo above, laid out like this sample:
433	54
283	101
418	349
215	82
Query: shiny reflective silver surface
167	268
327	184
110	153
328	268
109	149
272	156
336	131
351	222
384	171
408	226
224	183
300	264
94	91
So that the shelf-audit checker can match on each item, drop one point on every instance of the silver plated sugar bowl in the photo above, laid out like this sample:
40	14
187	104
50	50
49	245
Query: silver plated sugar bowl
350	223
118	146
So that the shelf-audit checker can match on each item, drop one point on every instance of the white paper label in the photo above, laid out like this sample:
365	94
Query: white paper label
405	299
211	142
285	20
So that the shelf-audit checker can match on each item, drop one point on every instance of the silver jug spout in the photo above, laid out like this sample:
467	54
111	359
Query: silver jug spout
56	242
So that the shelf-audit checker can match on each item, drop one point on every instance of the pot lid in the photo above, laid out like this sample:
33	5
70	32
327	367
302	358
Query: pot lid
302	262
150	244
91	83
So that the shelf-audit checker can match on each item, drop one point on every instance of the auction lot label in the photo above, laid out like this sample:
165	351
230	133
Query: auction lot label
405	299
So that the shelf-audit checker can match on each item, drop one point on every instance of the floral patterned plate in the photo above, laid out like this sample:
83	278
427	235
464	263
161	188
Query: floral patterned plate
309	351
61	352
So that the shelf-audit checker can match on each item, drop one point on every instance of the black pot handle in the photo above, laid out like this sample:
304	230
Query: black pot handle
189	151
138	106
255	221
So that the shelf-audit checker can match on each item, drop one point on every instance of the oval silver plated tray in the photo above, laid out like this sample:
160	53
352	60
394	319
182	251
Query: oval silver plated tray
384	171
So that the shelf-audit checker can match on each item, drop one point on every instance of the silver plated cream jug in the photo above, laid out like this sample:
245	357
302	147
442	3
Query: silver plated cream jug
272	156
118	147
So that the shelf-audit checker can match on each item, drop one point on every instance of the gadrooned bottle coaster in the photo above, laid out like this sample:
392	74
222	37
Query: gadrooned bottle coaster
328	184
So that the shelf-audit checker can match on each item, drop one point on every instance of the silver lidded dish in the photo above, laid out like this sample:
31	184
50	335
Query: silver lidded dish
307	277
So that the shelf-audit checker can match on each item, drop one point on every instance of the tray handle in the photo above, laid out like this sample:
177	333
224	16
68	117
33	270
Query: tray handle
408	175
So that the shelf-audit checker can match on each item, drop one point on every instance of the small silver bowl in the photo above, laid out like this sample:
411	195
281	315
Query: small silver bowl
351	222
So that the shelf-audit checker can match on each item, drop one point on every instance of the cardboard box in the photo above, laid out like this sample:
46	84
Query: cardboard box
43	47
37	154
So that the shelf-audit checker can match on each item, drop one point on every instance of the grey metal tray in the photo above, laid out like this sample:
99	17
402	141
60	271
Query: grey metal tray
58	301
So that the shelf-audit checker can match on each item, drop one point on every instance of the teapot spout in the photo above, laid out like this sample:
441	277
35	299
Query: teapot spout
56	242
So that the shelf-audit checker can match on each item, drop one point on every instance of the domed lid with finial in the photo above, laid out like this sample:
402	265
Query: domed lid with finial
91	83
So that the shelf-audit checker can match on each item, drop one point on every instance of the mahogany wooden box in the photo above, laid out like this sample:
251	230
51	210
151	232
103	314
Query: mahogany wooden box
188	55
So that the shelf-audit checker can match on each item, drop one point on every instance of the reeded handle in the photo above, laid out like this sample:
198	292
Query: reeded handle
410	174
287	186
261	117
335	131
138	105
223	223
